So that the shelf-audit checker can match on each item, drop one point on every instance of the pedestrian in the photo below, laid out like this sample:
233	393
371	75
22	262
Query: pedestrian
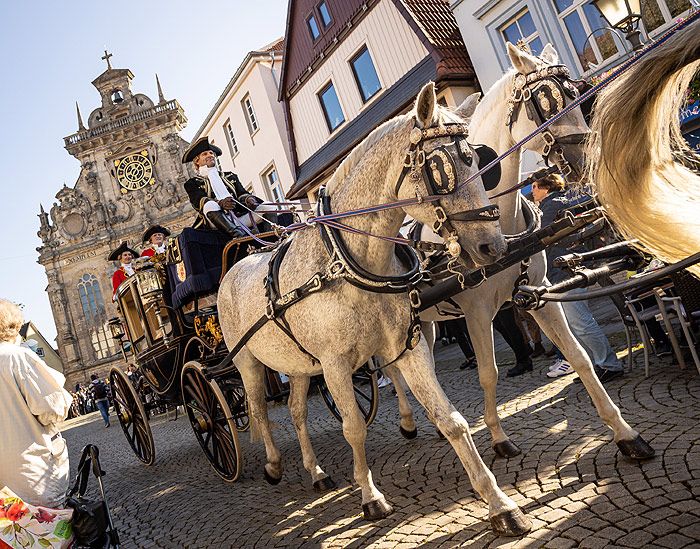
99	392
549	193
33	455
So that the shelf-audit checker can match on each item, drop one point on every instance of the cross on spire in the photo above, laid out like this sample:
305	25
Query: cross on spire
106	57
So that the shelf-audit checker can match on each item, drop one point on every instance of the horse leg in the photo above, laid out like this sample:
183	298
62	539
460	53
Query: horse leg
480	326
407	427
338	378
298	409
253	375
417	368
553	322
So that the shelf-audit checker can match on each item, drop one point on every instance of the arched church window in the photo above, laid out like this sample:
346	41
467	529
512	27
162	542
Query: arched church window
91	298
93	307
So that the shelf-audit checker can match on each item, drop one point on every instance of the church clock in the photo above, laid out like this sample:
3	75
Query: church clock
134	172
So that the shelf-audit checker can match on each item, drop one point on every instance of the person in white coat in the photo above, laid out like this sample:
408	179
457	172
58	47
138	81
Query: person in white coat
33	455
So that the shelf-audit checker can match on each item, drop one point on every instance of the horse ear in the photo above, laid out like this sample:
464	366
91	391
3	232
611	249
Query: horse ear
426	106
549	55
523	62
468	106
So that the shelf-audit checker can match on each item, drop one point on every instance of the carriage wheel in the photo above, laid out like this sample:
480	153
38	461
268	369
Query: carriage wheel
238	402
132	416
212	421
364	383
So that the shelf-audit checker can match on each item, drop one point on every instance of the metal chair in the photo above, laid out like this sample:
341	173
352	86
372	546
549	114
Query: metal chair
685	306
641	310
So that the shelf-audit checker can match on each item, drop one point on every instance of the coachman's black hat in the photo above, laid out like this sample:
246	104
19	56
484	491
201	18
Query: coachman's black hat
198	147
153	230
123	247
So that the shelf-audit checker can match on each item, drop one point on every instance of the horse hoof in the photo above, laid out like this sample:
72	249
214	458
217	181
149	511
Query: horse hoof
506	449
511	523
408	434
637	448
324	484
269	478
377	509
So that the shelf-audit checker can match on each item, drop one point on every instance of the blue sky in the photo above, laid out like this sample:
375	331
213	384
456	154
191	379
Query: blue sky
51	52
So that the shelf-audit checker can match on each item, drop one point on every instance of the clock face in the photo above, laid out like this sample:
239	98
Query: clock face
134	172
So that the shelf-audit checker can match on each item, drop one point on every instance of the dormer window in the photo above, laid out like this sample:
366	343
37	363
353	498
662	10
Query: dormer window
313	27
326	18
117	97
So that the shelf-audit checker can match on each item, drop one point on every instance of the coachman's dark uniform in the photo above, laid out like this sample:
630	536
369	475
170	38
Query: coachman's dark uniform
199	192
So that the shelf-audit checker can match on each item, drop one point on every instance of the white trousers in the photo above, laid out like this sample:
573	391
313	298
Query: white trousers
247	219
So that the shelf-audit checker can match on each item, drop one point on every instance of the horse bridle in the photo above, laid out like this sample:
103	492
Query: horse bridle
438	171
543	93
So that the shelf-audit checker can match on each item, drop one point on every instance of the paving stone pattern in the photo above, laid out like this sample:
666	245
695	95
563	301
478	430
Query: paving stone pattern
570	479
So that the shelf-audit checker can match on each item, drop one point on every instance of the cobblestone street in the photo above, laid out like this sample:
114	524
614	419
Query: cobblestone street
570	479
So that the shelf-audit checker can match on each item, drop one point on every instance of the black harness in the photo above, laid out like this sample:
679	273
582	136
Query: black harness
544	93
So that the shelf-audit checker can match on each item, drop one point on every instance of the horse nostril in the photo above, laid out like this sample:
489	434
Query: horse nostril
490	250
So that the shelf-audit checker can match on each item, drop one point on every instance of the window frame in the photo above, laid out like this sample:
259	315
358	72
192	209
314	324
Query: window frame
231	139
309	18
351	61
270	185
250	117
514	19
320	13
319	94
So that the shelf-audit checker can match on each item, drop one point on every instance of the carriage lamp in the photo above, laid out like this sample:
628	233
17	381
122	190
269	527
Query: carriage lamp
623	15
116	327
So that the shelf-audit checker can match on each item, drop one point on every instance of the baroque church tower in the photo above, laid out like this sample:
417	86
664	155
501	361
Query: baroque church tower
131	177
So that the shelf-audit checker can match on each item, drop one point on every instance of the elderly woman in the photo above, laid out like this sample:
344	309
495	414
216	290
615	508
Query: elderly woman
33	455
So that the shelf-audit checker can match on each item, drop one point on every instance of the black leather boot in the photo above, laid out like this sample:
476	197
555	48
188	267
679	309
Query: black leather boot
222	222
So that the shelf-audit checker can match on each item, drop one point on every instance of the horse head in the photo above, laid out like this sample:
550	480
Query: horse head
438	161
541	88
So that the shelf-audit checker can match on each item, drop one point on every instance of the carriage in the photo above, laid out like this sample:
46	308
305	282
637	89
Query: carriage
169	329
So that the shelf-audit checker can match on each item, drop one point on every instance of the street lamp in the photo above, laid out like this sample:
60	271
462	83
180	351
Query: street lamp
623	15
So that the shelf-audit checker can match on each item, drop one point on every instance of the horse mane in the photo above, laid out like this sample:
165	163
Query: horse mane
357	153
498	94
637	158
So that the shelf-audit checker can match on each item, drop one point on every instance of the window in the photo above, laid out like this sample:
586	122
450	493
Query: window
91	298
313	27
331	107
273	184
95	316
656	13
365	74
325	14
249	112
592	41
232	145
521	29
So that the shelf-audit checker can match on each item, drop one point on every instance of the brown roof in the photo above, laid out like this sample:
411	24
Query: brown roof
275	46
440	28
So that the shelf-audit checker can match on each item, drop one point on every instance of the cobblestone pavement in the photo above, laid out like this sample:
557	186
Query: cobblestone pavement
570	479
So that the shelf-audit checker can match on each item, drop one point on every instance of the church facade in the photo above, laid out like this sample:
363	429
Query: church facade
131	177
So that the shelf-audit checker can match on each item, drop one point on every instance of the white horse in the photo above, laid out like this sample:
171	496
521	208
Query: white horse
340	327
638	159
489	125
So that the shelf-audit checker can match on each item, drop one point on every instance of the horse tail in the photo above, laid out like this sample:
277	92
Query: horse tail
637	159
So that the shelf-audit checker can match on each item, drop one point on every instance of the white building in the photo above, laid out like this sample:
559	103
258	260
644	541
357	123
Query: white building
575	28
247	124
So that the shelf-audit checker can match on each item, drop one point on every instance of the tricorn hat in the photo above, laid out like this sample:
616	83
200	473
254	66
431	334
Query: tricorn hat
198	147
153	230
123	247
